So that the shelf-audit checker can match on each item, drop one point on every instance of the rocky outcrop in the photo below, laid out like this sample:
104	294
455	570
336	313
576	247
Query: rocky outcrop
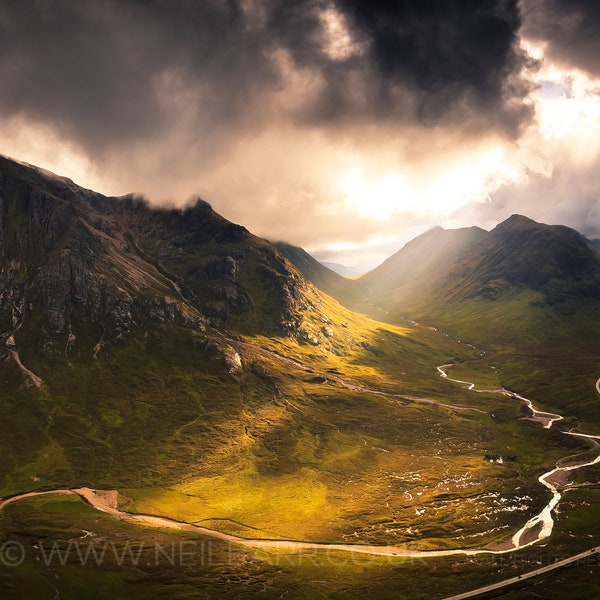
74	262
223	353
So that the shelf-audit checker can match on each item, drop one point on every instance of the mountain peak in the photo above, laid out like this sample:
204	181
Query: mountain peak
78	261
516	221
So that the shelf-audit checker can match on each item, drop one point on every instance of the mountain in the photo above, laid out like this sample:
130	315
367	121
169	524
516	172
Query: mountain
594	244
417	270
74	256
554	261
175	354
343	269
118	324
318	274
526	292
187	369
441	268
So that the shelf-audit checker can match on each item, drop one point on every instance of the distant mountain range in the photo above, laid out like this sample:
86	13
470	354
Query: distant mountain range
342	269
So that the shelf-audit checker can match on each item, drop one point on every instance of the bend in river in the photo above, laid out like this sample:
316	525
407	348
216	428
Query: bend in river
536	529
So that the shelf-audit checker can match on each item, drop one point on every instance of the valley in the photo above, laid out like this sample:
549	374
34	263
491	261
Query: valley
302	432
293	555
535	530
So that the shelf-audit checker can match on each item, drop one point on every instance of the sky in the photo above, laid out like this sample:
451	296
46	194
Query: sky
346	127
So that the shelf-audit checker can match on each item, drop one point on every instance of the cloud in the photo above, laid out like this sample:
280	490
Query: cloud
557	158
322	122
109	74
568	29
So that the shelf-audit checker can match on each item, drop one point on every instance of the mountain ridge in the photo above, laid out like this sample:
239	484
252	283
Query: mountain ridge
75	254
526	293
320	275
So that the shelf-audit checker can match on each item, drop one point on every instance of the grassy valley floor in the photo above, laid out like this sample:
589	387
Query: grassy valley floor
354	438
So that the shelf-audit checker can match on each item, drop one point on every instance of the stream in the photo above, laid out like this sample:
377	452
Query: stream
535	529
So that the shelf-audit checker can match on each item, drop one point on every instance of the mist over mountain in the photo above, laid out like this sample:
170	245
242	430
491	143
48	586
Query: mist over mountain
443	266
76	261
419	268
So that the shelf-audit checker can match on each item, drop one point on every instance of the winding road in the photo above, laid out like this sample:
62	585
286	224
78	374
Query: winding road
536	529
533	531
106	501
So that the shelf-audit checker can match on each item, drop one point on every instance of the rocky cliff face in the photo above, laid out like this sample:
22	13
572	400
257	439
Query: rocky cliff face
79	270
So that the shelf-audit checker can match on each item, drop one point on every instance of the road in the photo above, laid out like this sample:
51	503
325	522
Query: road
106	501
524	576
542	570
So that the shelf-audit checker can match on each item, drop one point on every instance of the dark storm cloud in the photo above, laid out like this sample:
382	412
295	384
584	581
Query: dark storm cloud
422	60
571	29
101	70
117	72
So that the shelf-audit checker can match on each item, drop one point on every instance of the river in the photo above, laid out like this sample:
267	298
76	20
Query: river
535	529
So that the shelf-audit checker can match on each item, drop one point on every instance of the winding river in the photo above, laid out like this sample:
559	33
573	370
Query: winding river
540	526
536	529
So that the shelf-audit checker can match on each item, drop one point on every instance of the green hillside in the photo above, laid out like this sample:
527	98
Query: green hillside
527	293
173	356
